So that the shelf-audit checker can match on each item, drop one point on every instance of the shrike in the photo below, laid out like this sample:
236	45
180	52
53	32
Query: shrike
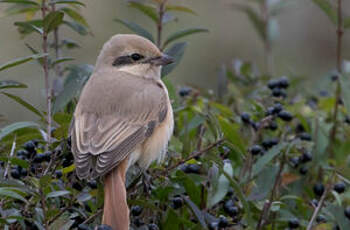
123	117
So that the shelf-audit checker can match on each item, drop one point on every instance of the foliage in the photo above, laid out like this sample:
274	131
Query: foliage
262	154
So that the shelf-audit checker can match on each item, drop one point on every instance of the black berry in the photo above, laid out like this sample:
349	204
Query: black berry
347	212
273	84
185	91
256	149
339	187
136	210
103	227
285	115
213	226
152	227
83	227
306	157
318	189
303	170
321	219
58	173
305	137
177	202
245	117
294	161
15	173
283	82
293	223
77	186
29	146
38	158
223	223
92	184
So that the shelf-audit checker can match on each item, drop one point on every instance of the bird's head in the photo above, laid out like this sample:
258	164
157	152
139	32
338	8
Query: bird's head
132	53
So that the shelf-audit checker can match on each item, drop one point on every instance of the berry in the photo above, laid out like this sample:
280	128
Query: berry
270	143
152	227
232	211
23	172
278	107
77	186
103	227
15	173
283	82
294	161
321	219
256	149
47	156
58	173
223	223
334	77
191	168
213	226
300	128
306	157
272	84
255	125
83	227
269	111
38	158
278	92
339	187
185	91
293	223
285	115
177	202
318	189
347	212
305	137
303	170
136	210
138	222
245	117
29	146
24	153
273	125
92	184
314	203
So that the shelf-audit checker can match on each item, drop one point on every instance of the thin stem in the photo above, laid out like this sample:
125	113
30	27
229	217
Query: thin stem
56	40
267	41
340	32
11	154
46	75
161	11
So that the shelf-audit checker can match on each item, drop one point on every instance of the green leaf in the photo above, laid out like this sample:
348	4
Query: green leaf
346	23
68	169
77	27
60	60
145	9
259	166
53	20
197	212
77	77
20	162
77	17
6	84
28	27
180	9
231	133
67	2
34	51
136	28
20	61
24	103
172	221
11	192
27	2
57	193
327	8
219	191
183	33
345	84
15	126
254	18
176	51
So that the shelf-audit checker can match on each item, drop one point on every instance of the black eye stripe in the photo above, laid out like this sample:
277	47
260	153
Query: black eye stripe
128	59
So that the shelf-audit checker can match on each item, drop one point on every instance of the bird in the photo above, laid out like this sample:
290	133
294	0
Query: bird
123	117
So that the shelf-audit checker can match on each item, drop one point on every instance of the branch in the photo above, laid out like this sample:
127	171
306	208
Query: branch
11	154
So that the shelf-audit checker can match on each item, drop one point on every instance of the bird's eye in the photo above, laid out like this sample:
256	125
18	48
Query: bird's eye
136	56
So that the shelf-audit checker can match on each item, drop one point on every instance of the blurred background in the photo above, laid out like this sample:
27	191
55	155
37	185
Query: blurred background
304	45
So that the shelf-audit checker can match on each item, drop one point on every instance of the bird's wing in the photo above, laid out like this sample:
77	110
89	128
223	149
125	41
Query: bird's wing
115	113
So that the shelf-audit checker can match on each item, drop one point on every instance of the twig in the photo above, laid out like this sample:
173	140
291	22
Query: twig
62	211
43	206
320	204
11	154
161	12
56	46
46	75
99	212
340	32
267	42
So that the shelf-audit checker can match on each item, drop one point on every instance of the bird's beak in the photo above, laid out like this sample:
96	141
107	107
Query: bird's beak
162	60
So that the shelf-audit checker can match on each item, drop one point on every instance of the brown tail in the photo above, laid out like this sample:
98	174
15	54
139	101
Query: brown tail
116	211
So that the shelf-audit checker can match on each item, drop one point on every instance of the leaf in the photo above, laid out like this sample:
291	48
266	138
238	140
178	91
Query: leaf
337	213
60	60
68	169
197	212
267	158
24	103
77	27
145	9
179	8
27	2
53	20
57	193
67	2
327	8
75	16
6	84
34	51
346	23
20	61
345	84
254	18
75	80
28	27
136	28
11	192
231	133
15	126
70	44
222	186
176	51
183	33
172	221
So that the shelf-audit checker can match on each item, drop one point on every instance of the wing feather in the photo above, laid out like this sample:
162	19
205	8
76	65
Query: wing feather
115	113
